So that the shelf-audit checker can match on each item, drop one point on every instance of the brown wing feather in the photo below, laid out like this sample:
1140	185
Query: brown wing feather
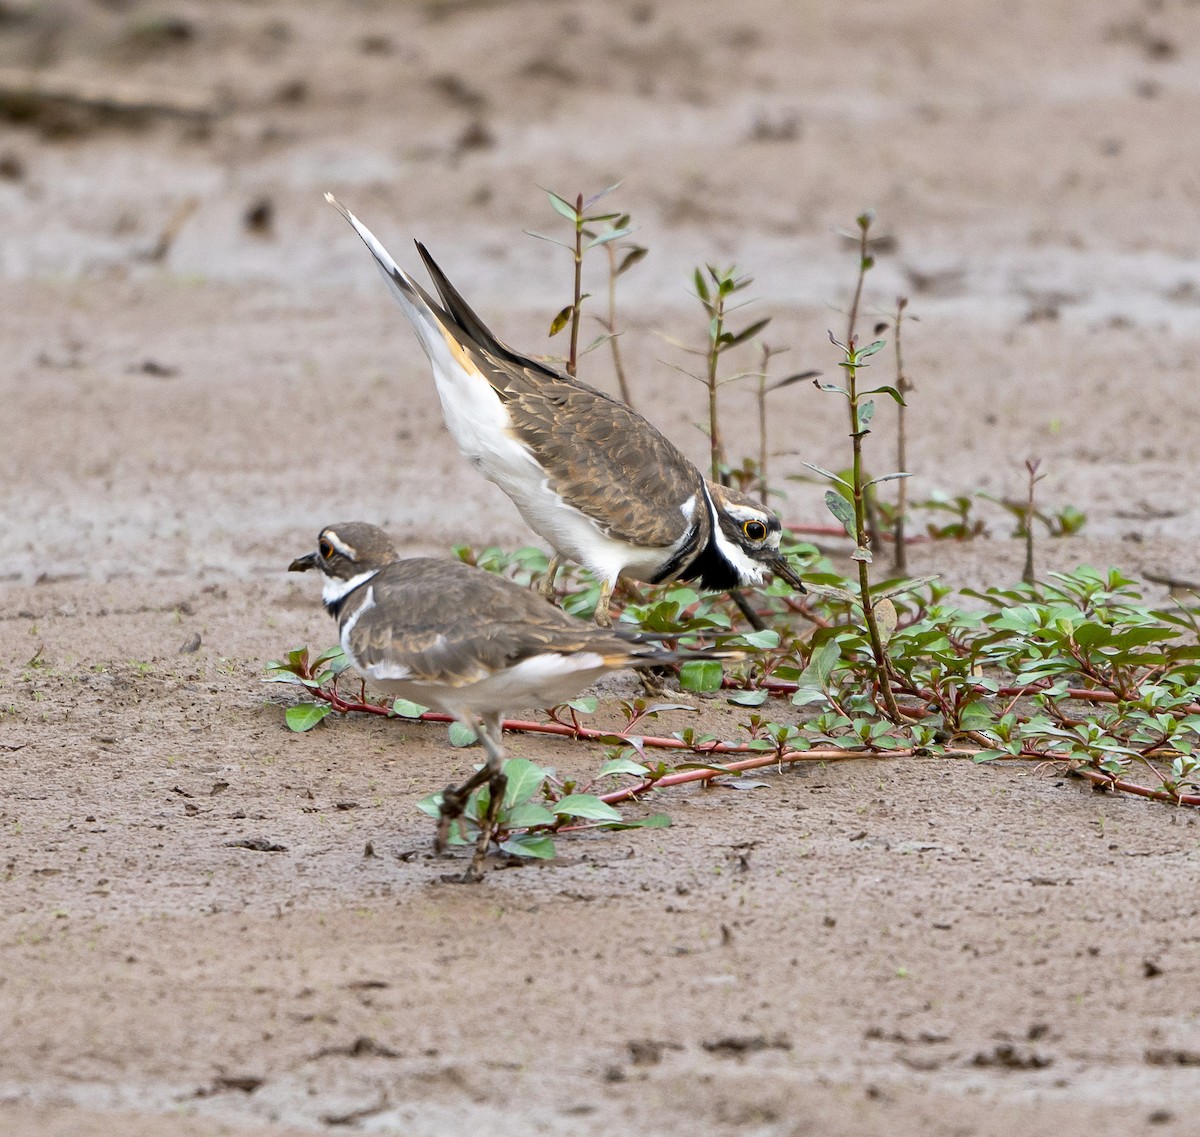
593	447
448	622
599	455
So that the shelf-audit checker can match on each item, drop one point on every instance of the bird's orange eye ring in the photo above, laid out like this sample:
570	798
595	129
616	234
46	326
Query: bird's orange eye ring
326	548
754	530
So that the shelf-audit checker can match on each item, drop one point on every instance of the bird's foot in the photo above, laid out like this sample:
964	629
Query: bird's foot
454	801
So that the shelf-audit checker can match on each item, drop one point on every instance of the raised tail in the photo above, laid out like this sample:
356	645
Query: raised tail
423	312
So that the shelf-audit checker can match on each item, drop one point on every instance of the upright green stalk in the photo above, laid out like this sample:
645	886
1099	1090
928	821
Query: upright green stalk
716	330
615	269
716	303
585	238
577	295
762	425
862	552
854	514
1031	468
899	550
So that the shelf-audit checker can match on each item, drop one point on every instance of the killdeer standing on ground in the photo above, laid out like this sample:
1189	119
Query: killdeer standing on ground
587	472
468	642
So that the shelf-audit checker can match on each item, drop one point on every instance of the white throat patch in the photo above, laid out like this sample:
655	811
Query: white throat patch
334	590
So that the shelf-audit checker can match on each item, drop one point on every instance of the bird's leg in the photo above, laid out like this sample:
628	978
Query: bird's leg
546	588
603	616
497	785
455	798
743	606
654	680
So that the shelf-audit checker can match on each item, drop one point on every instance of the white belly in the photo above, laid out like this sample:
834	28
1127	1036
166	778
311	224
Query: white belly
535	683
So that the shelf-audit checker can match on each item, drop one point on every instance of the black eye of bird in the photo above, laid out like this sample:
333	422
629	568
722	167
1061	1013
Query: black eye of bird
326	549
755	530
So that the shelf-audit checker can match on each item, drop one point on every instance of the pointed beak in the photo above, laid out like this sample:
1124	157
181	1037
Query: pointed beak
304	563
778	564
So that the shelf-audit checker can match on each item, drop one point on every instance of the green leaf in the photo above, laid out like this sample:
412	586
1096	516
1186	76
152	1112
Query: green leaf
701	675
841	509
820	666
885	390
885	619
587	806
561	205
701	287
561	320
749	698
748	333
908	585
527	814
830	592
613	235
333	657
631	258
870	349
834	387
298	657
976	715
885	478
866	412
431	805
589	202
524	780
830	475
767	638
462	735
408	710
539	846
550	240
585	705
623	766
304	716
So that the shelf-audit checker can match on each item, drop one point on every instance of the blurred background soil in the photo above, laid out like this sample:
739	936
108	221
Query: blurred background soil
201	368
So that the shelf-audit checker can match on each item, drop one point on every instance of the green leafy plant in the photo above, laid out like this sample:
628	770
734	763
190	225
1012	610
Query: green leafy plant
847	501
1076	673
538	806
585	236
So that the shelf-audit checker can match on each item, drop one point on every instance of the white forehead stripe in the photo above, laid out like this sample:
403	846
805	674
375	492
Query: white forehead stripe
748	513
347	551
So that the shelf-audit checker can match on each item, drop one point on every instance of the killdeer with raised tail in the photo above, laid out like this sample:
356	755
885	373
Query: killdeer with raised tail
470	643
588	473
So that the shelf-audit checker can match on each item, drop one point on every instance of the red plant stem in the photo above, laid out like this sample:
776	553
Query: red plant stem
1082	694
761	760
527	726
591	734
1100	779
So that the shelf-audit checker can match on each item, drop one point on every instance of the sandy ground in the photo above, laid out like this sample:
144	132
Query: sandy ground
866	948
